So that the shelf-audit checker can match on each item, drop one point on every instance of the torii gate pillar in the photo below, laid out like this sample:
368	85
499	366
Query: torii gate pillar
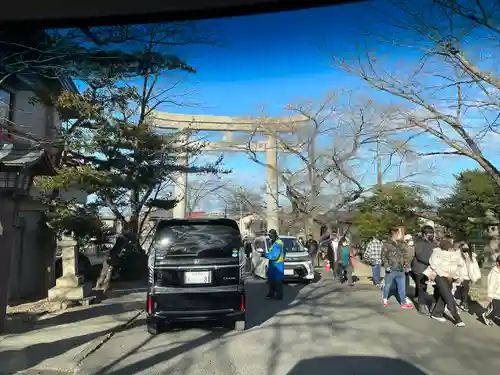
181	193
272	183
164	120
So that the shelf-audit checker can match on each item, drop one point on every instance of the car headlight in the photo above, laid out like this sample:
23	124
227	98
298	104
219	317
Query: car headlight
302	259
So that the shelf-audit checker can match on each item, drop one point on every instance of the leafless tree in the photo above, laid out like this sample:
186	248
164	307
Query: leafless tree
202	189
243	200
450	49
325	162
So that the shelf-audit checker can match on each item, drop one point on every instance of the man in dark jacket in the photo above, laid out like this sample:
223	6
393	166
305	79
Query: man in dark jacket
312	245
423	251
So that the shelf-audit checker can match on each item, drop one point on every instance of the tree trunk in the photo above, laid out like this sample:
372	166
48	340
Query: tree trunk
105	277
111	263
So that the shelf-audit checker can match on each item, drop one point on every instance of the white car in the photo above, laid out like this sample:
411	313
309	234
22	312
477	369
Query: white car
298	262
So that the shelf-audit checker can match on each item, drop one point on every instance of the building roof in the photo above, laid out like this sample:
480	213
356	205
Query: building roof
161	214
23	155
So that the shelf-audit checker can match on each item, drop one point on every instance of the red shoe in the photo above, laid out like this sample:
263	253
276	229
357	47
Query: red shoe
406	306
385	303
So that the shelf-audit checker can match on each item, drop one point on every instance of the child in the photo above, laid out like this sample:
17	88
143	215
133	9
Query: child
493	310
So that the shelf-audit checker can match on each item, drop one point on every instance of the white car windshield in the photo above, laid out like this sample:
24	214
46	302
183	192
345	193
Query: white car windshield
292	245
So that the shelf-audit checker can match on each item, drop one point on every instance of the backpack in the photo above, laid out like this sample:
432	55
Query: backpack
345	255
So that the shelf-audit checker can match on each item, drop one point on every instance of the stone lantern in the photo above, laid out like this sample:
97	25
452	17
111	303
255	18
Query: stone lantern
491	223
18	164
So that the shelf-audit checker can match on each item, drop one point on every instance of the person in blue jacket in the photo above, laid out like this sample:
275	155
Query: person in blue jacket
276	268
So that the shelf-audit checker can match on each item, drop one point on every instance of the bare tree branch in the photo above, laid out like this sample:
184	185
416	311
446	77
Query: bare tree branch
324	152
450	97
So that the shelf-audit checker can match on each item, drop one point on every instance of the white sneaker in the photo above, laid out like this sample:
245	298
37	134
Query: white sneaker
438	318
487	321
409	301
461	324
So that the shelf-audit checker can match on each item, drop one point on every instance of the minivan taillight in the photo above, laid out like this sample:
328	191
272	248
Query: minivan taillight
242	306
150	305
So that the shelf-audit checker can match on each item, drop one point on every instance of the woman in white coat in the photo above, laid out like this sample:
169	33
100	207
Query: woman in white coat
445	267
471	274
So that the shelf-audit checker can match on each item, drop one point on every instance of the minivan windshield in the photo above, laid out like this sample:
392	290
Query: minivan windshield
203	240
292	245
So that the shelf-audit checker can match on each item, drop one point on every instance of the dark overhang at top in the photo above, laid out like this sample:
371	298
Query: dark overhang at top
25	44
61	13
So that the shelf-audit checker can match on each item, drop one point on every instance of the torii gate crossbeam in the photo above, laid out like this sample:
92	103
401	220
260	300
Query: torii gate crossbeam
270	127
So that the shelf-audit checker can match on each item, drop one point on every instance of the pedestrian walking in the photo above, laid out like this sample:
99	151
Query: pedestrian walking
312	244
332	242
276	268
247	246
395	257
424	247
373	255
472	274
345	262
313	249
445	267
493	310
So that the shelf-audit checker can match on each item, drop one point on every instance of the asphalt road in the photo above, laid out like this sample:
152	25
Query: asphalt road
322	328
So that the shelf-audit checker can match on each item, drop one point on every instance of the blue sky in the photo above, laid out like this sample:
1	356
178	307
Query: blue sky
274	59
268	61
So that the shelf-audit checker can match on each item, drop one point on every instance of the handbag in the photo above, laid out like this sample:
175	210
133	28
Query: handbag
474	271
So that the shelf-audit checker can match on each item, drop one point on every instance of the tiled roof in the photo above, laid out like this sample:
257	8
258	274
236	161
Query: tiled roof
25	155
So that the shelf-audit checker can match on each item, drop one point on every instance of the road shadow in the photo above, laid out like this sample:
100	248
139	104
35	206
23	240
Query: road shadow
163	356
359	365
73	315
260	310
13	361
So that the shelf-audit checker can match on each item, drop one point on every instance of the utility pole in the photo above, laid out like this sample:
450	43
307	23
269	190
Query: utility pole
379	165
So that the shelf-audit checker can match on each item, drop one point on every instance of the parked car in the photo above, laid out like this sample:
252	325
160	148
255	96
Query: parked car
196	273
298	261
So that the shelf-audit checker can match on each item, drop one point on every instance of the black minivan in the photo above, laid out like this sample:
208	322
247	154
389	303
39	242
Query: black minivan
196	273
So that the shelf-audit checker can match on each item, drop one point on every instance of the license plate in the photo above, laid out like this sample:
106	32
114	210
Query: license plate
289	273
199	277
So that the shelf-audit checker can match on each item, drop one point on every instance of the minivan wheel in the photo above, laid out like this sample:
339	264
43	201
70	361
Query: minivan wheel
153	329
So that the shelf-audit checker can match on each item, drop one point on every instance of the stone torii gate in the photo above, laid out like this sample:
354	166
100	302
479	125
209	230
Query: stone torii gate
269	127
